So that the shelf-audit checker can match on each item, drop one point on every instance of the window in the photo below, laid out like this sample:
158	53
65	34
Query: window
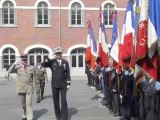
8	57
109	7
8	13
43	14
37	53
77	57
76	15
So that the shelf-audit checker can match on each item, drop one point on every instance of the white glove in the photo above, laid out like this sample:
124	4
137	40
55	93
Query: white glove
121	96
68	86
46	60
107	69
126	72
18	61
53	57
157	86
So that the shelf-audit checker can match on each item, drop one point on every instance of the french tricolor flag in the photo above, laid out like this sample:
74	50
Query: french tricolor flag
91	50
114	52
153	26
103	50
128	32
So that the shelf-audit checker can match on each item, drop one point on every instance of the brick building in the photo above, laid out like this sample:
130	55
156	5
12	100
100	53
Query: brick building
35	27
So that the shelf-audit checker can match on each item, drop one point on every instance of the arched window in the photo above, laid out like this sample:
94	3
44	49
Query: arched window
109	8
37	53
8	13
43	14
76	16
77	57
8	57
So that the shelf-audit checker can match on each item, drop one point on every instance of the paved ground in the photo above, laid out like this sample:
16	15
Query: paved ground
81	102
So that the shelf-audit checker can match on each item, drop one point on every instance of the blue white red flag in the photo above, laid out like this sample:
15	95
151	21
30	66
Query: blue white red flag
153	26
128	32
114	52
103	50
91	50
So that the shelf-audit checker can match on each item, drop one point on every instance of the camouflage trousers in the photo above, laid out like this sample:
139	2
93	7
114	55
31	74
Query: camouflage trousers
40	84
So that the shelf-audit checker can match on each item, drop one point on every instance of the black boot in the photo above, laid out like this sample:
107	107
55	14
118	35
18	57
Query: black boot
38	100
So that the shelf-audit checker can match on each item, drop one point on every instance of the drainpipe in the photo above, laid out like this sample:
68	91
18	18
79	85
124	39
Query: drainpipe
60	23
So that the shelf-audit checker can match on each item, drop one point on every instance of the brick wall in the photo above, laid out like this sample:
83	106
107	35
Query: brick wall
26	34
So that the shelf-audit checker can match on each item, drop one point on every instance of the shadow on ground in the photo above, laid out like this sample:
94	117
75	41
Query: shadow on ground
47	96
38	113
96	97
71	112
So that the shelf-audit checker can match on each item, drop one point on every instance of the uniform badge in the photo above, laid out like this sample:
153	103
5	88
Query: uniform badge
64	66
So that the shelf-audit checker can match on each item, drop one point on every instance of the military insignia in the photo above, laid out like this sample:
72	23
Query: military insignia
64	66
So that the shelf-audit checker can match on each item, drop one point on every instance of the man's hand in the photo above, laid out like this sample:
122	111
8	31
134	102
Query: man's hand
68	86
17	61
46	60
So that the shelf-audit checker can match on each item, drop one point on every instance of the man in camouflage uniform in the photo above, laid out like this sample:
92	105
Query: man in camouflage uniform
41	76
25	78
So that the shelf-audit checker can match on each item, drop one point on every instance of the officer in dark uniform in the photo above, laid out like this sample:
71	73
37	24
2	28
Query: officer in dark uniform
60	83
112	85
126	92
89	74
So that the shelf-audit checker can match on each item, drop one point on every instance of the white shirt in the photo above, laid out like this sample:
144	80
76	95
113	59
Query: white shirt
59	61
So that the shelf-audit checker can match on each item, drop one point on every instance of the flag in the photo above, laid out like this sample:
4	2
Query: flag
154	33
103	50
144	63
153	26
88	48
136	19
91	49
114	52
127	32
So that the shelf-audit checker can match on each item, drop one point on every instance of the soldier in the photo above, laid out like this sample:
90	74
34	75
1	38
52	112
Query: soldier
25	78
126	93
89	74
60	83
41	76
112	85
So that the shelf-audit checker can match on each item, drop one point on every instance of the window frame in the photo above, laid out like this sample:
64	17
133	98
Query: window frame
9	53
76	11
49	15
108	11
77	54
8	9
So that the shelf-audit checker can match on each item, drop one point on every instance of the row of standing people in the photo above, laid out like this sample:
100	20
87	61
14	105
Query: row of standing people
121	95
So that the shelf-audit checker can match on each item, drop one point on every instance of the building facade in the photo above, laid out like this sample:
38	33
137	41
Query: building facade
35	27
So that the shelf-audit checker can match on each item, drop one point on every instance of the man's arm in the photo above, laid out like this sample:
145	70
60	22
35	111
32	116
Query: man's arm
46	63
45	74
68	75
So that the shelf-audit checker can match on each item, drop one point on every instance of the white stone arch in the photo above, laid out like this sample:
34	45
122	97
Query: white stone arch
9	46
74	47
2	1
39	46
46	1
108	1
78	1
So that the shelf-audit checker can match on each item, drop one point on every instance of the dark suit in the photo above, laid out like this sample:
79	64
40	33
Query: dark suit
60	80
127	93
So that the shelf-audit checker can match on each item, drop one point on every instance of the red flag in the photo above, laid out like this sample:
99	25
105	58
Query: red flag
127	34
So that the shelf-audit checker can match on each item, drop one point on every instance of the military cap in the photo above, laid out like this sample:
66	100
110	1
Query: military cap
58	50
23	56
